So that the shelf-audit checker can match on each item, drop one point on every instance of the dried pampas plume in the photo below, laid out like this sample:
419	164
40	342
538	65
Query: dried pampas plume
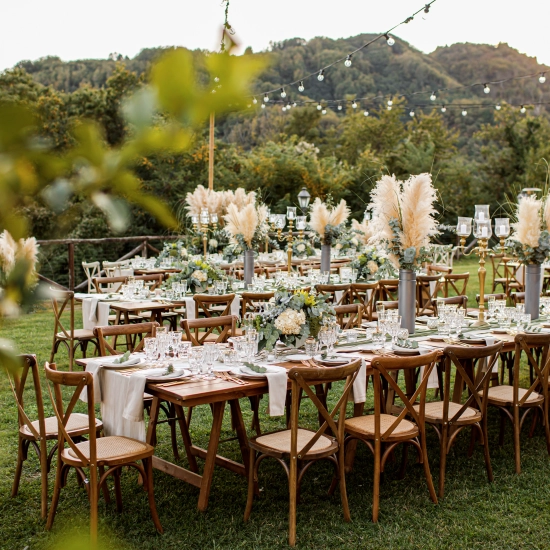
8	248
217	202
417	211
385	205
363	230
321	216
242	222
547	212
527	228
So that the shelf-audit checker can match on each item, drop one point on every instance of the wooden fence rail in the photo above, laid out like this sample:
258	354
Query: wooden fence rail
142	249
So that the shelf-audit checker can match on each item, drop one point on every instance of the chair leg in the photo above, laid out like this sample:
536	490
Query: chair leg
18	468
343	490
293	494
104	487
118	492
44	467
442	458
173	437
517	427
150	493
427	473
93	505
487	456
56	490
251	481
376	481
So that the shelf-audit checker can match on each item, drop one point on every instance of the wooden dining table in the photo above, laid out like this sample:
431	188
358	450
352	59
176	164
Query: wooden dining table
125	309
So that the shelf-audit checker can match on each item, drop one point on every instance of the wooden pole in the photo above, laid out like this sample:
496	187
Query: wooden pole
211	155
71	267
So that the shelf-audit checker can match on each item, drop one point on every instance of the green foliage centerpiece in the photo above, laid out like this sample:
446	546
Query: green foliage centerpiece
403	221
198	273
295	315
373	263
175	250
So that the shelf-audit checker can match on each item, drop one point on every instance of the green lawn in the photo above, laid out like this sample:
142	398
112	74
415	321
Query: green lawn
512	512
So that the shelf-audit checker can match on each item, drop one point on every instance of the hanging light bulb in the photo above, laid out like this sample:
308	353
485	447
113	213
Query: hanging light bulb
366	112
347	62
433	97
443	109
464	112
339	107
294	104
301	86
254	101
411	112
354	104
486	88
324	111
283	108
283	93
216	79
389	40
321	75
288	106
542	78
263	105
390	102
522	110
319	107
389	107
498	107
266	98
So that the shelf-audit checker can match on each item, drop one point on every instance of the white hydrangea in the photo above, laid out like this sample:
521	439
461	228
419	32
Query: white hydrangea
199	276
301	247
213	243
354	241
372	266
183	252
290	321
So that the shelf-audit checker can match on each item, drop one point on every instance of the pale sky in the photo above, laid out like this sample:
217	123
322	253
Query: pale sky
74	29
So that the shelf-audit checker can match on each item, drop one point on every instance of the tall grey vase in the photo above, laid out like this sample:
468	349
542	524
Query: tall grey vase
325	257
248	267
407	298
533	274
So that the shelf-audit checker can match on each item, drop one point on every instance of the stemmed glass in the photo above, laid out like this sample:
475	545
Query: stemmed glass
394	326
210	354
195	359
150	345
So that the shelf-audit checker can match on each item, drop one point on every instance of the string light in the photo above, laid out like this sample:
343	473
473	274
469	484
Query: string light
433	97
498	107
486	88
347	62
254	101
354	104
319	107
283	109
321	75
294	104
443	109
390	102
324	111
283	93
389	107
301	86
464	112
389	40
542	78
266	98
411	113
216	79
522	110
427	8
339	106
366	112
263	105
288	106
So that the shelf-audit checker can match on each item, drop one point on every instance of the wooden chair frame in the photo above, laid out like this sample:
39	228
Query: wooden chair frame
452	280
144	330
203	303
225	324
249	299
300	460
331	290
97	476
349	316
387	290
110	281
460	301
499	277
424	294
359	292
91	270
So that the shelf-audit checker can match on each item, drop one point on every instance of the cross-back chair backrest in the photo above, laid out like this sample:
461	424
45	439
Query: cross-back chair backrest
332	291
304	267
427	287
389	304
349	315
460	301
301	379
80	381
225	326
525	343
518	297
383	368
18	381
250	300
108	284
498	266
498	296
387	290
91	270
456	283
154	280
511	271
364	293
434	269
205	302
476	384
145	330
63	303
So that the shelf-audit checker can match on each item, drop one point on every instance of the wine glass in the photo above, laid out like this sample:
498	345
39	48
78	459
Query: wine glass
210	354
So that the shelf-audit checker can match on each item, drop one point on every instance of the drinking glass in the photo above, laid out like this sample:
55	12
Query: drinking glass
175	339
402	335
351	335
183	350
195	359
150	346
524	321
378	338
311	347
443	328
432	323
210	354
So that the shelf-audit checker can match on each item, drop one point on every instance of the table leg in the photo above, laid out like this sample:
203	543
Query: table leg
217	417
240	428
153	418
184	428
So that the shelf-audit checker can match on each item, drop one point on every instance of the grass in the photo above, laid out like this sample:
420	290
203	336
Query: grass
510	513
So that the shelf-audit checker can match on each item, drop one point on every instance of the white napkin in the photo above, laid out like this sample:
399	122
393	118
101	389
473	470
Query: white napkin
94	313
358	392
433	380
277	380
489	341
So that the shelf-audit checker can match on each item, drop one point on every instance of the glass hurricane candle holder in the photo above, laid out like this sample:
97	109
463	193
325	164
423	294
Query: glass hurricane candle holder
464	227
482	213
291	212
502	227
482	229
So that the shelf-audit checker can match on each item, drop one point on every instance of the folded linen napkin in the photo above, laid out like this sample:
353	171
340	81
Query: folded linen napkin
433	380
277	379
489	341
94	313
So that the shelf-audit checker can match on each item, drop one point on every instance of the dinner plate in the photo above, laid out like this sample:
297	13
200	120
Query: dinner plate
176	375
297	357
130	363
245	372
398	350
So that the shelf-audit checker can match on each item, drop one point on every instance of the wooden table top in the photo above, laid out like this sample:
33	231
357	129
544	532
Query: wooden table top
139	306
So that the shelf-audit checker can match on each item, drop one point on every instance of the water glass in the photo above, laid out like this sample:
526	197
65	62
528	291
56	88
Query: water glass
310	347
195	359
150	346
209	355
378	338
432	323
443	328
183	350
351	335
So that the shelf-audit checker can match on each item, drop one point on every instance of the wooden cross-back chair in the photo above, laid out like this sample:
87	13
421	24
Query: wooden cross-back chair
382	432
37	433
112	452
387	290
498	296
514	402
225	327
130	332
213	305
332	291
71	338
91	270
105	285
517	298
460	301
451	415
250	301
349	316
499	273
300	447
456	283
364	293
427	289
153	281
511	273
441	270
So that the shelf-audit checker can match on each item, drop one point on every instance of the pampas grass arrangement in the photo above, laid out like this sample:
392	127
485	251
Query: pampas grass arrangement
322	218
527	229
217	202
363	230
246	225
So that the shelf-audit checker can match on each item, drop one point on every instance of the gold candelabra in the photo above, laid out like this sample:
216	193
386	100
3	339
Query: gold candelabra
289	239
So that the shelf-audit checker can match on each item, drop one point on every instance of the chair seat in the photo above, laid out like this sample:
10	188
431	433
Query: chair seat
363	426
78	424
279	442
434	413
111	448
79	334
504	395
